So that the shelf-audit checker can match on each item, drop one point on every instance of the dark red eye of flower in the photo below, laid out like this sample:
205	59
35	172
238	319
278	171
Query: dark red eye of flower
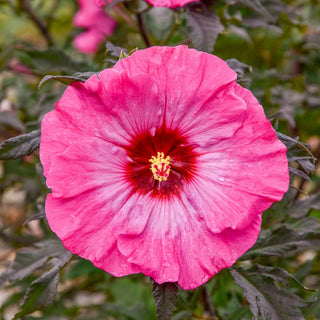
160	163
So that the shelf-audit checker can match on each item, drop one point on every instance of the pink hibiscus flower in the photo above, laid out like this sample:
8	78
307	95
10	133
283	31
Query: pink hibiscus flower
161	165
98	24
169	3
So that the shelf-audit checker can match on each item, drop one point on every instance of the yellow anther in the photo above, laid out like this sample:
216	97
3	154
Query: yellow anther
160	166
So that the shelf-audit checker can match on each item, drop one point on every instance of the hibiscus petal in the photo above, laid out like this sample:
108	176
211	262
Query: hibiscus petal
188	77
242	174
97	241
74	172
160	250
94	111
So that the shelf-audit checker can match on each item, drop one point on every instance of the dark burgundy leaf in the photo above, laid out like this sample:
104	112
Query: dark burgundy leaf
29	259
265	296
20	146
165	297
204	27
79	76
284	240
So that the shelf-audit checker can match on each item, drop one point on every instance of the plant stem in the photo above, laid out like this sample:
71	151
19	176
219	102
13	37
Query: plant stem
53	9
173	29
142	30
209	305
125	14
171	32
37	21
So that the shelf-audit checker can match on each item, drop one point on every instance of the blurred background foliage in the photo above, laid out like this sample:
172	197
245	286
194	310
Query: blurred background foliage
275	48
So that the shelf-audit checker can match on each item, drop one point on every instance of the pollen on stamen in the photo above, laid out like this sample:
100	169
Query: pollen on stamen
160	167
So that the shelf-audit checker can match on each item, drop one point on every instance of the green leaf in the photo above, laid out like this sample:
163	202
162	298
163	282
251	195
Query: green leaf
29	259
165	297
136	312
204	27
183	315
77	77
265	297
42	291
159	21
283	240
20	146
256	6
51	60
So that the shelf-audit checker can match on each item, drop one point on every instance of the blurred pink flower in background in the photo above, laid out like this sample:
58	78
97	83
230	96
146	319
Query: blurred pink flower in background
161	165
17	66
169	3
101	3
98	24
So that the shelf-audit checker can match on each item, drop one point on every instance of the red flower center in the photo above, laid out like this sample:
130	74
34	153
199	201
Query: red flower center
172	161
